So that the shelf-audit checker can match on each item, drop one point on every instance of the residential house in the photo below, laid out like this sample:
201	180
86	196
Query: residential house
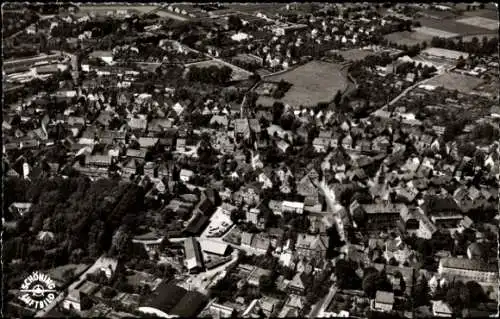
443	211
219	120
20	209
321	145
136	154
247	194
296	285
138	124
306	188
147	142
159	125
185	175
441	309
347	143
180	145
261	243
384	301
311	246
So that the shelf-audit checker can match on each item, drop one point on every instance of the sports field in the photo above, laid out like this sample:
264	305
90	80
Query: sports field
314	82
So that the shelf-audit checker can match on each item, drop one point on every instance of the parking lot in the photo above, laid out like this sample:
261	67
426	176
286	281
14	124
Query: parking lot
220	222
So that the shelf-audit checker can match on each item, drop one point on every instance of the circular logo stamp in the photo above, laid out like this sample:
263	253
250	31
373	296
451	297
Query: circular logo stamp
37	290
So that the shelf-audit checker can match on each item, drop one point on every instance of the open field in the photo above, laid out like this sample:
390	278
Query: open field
167	14
313	83
420	35
450	25
255	7
238	74
490	13
354	54
455	81
480	22
436	32
103	8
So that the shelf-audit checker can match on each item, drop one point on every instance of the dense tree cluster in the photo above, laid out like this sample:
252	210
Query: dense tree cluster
281	88
13	21
211	74
484	47
87	219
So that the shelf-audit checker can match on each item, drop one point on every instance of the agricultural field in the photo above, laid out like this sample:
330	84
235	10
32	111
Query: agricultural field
418	36
256	7
450	25
480	22
238	74
456	81
490	13
314	82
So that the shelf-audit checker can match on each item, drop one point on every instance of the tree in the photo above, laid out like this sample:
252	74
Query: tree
237	215
337	98
374	282
278	108
458	296
234	22
476	292
460	62
346	275
421	293
266	284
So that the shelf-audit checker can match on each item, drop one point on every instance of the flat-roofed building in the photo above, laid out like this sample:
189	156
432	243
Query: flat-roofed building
214	247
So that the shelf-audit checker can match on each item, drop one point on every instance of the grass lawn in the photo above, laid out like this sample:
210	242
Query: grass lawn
314	82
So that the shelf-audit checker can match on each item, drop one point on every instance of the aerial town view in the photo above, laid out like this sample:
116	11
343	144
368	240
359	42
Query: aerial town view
250	160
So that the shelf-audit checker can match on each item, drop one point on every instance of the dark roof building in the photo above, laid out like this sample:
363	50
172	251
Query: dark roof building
170	300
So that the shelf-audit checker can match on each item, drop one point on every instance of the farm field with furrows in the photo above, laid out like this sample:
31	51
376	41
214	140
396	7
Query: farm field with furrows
453	26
